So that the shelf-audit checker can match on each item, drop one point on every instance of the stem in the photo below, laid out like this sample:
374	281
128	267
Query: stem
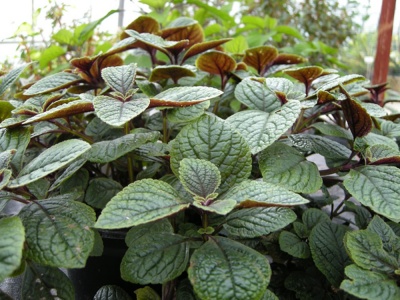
299	122
79	134
205	224
129	158
165	126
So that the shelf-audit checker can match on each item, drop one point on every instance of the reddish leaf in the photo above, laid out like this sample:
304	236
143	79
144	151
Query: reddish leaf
325	97
360	122
194	33
216	62
305	74
173	72
289	59
202	47
260	58
142	24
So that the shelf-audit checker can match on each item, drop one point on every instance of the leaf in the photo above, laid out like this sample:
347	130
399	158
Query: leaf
140	202
369	285
121	78
58	232
5	110
12	237
50	53
313	216
293	245
5	157
87	32
328	252
258	193
382	154
184	96
261	129
100	191
199	177
15	139
221	207
212	139
11	77
285	166
202	47
107	151
255	94
52	83
148	229
365	248
336	82
258	221
156	258
5	176
62	111
390	241
377	187
143	24
260	58
359	120
111	292
224	269
216	62
146	293
187	114
305	75
170	72
50	160
68	172
116	112
332	130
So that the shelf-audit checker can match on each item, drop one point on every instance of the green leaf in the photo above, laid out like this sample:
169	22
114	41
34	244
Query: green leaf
365	248
258	193
50	160
174	72
146	293
11	77
285	166
5	110
381	154
293	245
374	139
5	157
68	172
87	32
369	285
224	269
64	36
100	191
141	202
58	232
261	129
148	229
5	176
258	221
313	216
255	94
390	241
184	96
15	139
49	54
12	237
221	207
53	83
107	151
333	130
46	283
187	114
111	292
121	79
199	177
116	112
212	139
328	252
268	295
377	187
156	258
347	79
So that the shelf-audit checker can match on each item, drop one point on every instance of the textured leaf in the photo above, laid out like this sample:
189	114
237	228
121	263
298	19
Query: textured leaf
312	216
390	241
202	47
5	157
15	139
224	269
107	151
184	96
115	112
53	83
139	203
260	58
199	177
100	191
377	187
184	28
50	160
68	172
381	154
258	193
328	252
333	130
121	78
11	77
58	232
147	293
285	166
305	74
148	229
46	283
347	79
216	62
111	292
293	245
366	249
369	285
261	129
221	207
360	122
173	72
5	176
189	113
371	139
258	221
62	111
212	139
254	93
12	237
156	258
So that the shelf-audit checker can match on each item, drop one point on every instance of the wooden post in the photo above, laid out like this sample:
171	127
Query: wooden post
382	56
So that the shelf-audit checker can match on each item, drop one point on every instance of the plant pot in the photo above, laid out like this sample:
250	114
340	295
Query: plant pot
102	270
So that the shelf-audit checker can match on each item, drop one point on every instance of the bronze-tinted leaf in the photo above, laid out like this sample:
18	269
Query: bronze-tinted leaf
184	29
288	59
305	74
142	24
59	102
360	122
202	47
260	58
241	66
53	98
173	72
325	97
216	62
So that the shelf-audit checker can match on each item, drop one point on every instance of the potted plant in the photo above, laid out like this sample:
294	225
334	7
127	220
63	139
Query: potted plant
203	164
